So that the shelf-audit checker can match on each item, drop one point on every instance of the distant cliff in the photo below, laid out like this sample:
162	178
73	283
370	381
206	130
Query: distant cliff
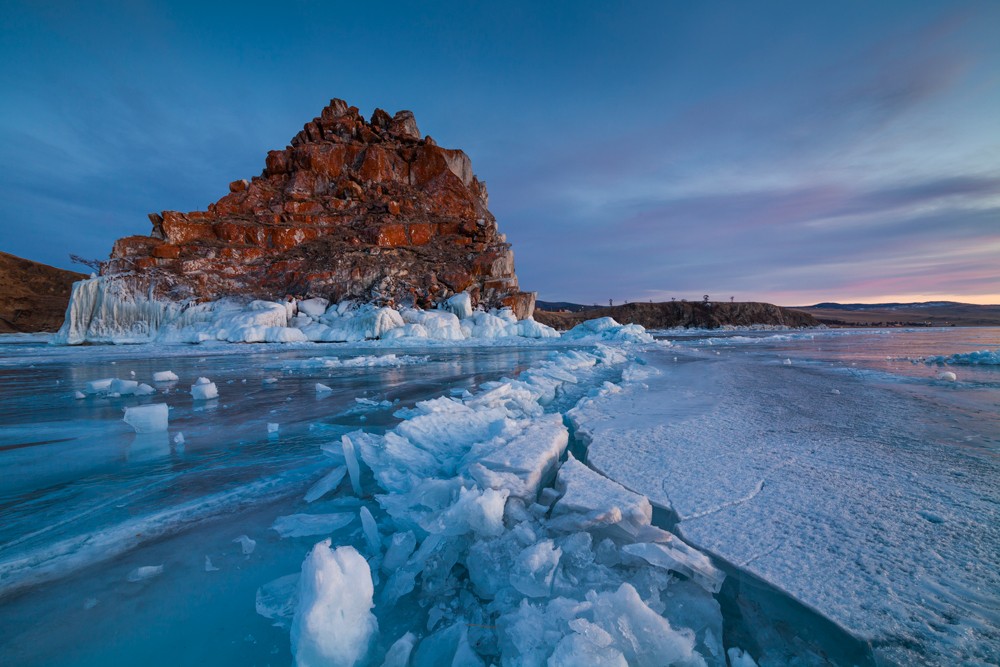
33	296
684	314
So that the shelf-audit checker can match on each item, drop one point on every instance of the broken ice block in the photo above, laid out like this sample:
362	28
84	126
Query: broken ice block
148	418
204	391
165	376
304	525
591	500
333	622
145	572
124	387
681	558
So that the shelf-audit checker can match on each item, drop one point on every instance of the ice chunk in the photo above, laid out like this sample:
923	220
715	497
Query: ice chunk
398	654
144	390
322	388
124	387
277	599
527	462
449	646
273	427
948	376
179	439
645	638
79	394
460	305
400	547
165	376
204	391
535	566
145	572
326	484
681	558
247	545
303	525
351	458
480	512
148	418
590	500
269	381
740	658
203	380
101	386
333	623
371	531
607	329
209	567
313	307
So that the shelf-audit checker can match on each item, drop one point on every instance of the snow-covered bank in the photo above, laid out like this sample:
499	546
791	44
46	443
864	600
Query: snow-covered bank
491	544
848	497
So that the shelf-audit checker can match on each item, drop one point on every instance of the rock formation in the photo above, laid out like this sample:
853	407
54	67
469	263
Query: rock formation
352	209
33	296
685	314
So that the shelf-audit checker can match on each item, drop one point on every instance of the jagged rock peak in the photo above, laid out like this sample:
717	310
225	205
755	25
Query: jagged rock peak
350	209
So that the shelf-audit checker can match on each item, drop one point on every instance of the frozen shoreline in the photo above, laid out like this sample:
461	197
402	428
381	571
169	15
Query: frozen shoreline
767	466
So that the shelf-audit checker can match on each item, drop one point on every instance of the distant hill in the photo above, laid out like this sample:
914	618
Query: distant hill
33	296
556	306
678	314
926	313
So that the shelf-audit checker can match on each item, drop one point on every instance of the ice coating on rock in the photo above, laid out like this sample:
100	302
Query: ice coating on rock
148	418
333	624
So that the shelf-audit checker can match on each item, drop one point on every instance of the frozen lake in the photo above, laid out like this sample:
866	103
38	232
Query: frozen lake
848	493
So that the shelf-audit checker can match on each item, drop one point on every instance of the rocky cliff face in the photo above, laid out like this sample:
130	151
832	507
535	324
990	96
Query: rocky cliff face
33	296
686	314
352	209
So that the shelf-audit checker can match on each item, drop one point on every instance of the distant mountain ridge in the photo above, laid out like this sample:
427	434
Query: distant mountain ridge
924	313
833	305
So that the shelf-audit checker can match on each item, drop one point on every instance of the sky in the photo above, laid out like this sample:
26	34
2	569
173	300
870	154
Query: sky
791	152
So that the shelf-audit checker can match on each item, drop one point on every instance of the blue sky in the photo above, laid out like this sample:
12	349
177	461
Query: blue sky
784	151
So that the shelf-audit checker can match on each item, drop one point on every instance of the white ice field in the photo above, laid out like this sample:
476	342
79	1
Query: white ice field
566	501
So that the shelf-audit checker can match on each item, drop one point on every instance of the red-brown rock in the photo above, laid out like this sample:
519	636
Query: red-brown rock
351	209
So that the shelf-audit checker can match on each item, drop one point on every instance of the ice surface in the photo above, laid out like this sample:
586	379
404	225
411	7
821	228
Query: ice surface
766	469
302	525
148	418
333	624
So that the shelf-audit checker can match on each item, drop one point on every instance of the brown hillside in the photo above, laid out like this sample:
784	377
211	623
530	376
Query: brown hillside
33	296
685	314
